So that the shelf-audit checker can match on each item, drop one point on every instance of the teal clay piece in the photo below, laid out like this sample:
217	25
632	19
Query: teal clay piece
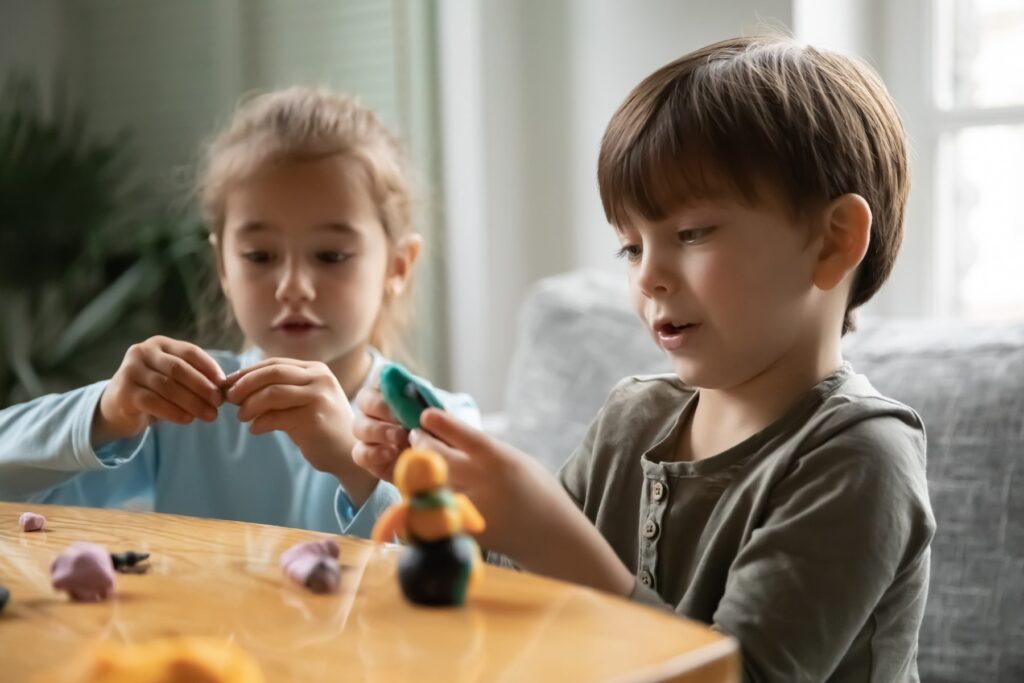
407	395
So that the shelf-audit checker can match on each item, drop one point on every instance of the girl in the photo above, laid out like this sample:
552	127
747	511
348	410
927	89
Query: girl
307	203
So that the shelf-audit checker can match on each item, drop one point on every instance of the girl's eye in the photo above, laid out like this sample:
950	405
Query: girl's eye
332	256
630	252
695	235
256	256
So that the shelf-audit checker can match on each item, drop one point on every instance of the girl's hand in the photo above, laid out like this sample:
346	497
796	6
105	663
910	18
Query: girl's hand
379	436
529	515
302	399
159	379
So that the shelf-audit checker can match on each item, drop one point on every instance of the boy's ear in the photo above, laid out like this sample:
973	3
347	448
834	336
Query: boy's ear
218	257
844	240
402	262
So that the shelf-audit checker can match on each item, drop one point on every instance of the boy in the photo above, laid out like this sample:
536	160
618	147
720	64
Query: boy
758	188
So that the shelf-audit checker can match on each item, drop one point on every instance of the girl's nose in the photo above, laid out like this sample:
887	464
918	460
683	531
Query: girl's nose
296	284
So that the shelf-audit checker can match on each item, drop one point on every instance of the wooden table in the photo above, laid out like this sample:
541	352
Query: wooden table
216	578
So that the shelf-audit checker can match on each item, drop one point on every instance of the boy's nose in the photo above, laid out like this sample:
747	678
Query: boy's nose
655	277
295	285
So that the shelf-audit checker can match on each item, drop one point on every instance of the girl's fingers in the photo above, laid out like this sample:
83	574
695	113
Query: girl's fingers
277	373
160	408
172	391
185	375
195	357
266	362
277	420
273	397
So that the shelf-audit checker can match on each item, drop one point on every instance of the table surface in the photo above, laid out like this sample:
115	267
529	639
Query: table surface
222	579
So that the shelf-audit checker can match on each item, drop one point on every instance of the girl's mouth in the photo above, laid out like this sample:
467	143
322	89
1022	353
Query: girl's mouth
298	329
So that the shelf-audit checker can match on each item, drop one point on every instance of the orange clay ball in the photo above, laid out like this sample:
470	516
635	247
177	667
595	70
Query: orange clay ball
166	660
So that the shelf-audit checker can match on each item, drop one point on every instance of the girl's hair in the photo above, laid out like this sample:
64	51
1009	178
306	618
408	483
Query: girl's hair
307	124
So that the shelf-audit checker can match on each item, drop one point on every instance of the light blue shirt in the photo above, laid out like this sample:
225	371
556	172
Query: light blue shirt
204	469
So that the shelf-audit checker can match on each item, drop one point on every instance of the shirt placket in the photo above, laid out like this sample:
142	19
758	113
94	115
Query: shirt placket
654	501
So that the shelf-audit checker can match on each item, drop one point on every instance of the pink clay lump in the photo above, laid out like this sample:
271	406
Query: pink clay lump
30	521
85	571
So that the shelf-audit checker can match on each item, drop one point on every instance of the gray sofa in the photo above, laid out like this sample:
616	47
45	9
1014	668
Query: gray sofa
577	337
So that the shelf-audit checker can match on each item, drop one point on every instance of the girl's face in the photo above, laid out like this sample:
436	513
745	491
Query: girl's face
305	261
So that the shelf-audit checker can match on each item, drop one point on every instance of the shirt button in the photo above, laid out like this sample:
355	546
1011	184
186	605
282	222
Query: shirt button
650	529
657	491
646	578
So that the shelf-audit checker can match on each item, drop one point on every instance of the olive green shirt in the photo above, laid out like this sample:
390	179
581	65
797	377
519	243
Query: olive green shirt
808	542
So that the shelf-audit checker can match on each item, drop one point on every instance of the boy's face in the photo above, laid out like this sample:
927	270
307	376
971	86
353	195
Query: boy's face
725	288
303	259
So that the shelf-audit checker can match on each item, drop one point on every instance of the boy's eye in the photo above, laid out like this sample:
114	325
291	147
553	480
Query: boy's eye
630	252
256	256
695	235
332	256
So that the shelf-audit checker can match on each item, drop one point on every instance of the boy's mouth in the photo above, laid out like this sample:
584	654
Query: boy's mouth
672	335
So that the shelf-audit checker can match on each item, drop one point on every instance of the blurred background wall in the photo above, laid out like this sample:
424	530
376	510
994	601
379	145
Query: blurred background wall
502	104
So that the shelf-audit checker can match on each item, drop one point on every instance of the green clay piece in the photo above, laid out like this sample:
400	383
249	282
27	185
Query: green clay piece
406	395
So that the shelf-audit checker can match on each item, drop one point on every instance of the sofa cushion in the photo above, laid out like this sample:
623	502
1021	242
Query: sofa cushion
578	337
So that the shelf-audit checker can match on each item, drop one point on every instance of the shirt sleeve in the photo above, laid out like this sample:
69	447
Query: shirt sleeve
848	520
359	522
46	454
574	474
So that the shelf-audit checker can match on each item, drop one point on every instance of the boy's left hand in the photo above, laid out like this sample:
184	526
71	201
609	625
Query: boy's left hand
302	399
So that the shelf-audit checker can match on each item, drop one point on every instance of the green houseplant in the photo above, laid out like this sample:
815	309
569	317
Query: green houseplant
87	266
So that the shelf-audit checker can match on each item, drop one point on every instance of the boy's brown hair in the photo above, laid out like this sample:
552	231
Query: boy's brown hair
762	115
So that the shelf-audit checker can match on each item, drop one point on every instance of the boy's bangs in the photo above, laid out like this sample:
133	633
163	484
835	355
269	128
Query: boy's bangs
667	167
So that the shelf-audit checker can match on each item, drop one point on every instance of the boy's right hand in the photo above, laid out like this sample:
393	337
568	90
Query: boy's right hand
159	379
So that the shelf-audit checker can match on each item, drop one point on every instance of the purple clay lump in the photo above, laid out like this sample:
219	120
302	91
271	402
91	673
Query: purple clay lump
85	571
313	565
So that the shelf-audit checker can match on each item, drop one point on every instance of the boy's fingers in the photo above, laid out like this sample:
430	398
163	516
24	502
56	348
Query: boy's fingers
455	432
420	439
372	404
372	431
377	460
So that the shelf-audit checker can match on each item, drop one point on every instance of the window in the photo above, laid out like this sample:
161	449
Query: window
977	114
